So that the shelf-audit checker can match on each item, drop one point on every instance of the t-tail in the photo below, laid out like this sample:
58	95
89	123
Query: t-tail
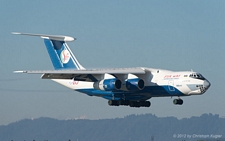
59	52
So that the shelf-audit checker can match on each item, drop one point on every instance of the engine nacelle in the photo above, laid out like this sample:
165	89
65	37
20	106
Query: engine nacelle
135	84
108	84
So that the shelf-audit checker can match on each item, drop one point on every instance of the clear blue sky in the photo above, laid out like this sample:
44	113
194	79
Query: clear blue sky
174	35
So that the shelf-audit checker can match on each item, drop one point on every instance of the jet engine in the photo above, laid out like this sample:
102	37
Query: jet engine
108	84
135	84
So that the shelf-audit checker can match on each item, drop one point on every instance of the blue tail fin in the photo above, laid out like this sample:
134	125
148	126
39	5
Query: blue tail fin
61	55
59	52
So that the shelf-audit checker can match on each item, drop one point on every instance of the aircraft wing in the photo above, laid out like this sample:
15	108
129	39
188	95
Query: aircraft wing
91	75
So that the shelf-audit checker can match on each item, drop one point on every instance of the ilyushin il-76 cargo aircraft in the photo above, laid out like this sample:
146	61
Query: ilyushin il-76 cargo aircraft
120	86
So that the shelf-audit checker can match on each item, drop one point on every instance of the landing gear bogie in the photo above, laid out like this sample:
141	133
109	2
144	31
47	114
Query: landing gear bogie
136	104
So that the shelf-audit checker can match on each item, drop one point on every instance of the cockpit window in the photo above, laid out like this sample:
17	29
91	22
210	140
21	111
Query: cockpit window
197	76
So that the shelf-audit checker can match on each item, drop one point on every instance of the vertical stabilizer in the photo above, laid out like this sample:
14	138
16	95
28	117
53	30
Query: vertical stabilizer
61	55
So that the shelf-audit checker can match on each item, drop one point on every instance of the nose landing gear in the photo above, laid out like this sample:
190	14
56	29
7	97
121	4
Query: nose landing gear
178	101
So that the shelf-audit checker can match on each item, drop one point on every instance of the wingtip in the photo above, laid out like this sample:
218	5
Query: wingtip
16	33
19	71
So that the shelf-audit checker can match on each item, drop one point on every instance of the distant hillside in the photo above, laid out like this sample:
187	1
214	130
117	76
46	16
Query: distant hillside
130	128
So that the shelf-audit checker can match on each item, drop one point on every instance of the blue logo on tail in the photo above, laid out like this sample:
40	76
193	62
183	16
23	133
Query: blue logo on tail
61	55
65	56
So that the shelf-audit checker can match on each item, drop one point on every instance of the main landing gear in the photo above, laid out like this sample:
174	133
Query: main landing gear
136	104
178	101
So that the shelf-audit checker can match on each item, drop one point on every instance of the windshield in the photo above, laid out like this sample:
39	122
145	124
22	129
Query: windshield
197	76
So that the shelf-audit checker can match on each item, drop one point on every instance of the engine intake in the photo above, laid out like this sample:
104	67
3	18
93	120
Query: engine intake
108	84
135	84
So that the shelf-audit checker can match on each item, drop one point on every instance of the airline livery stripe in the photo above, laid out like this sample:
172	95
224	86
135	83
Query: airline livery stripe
56	53
72	56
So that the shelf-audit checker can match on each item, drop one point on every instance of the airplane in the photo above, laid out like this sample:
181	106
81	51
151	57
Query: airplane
120	86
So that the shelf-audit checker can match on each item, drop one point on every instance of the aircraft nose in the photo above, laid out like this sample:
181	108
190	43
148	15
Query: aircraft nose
206	84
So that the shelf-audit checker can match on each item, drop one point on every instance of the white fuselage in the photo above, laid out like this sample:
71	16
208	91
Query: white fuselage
174	83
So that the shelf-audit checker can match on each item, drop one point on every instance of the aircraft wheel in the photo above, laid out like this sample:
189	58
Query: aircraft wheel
113	103
178	101
147	104
125	103
134	104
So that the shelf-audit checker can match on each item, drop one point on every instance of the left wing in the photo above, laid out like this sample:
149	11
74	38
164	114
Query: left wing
91	75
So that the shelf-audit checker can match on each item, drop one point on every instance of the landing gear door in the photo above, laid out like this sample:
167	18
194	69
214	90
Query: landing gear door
171	85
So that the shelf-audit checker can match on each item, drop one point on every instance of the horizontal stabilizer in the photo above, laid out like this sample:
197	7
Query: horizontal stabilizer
51	37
